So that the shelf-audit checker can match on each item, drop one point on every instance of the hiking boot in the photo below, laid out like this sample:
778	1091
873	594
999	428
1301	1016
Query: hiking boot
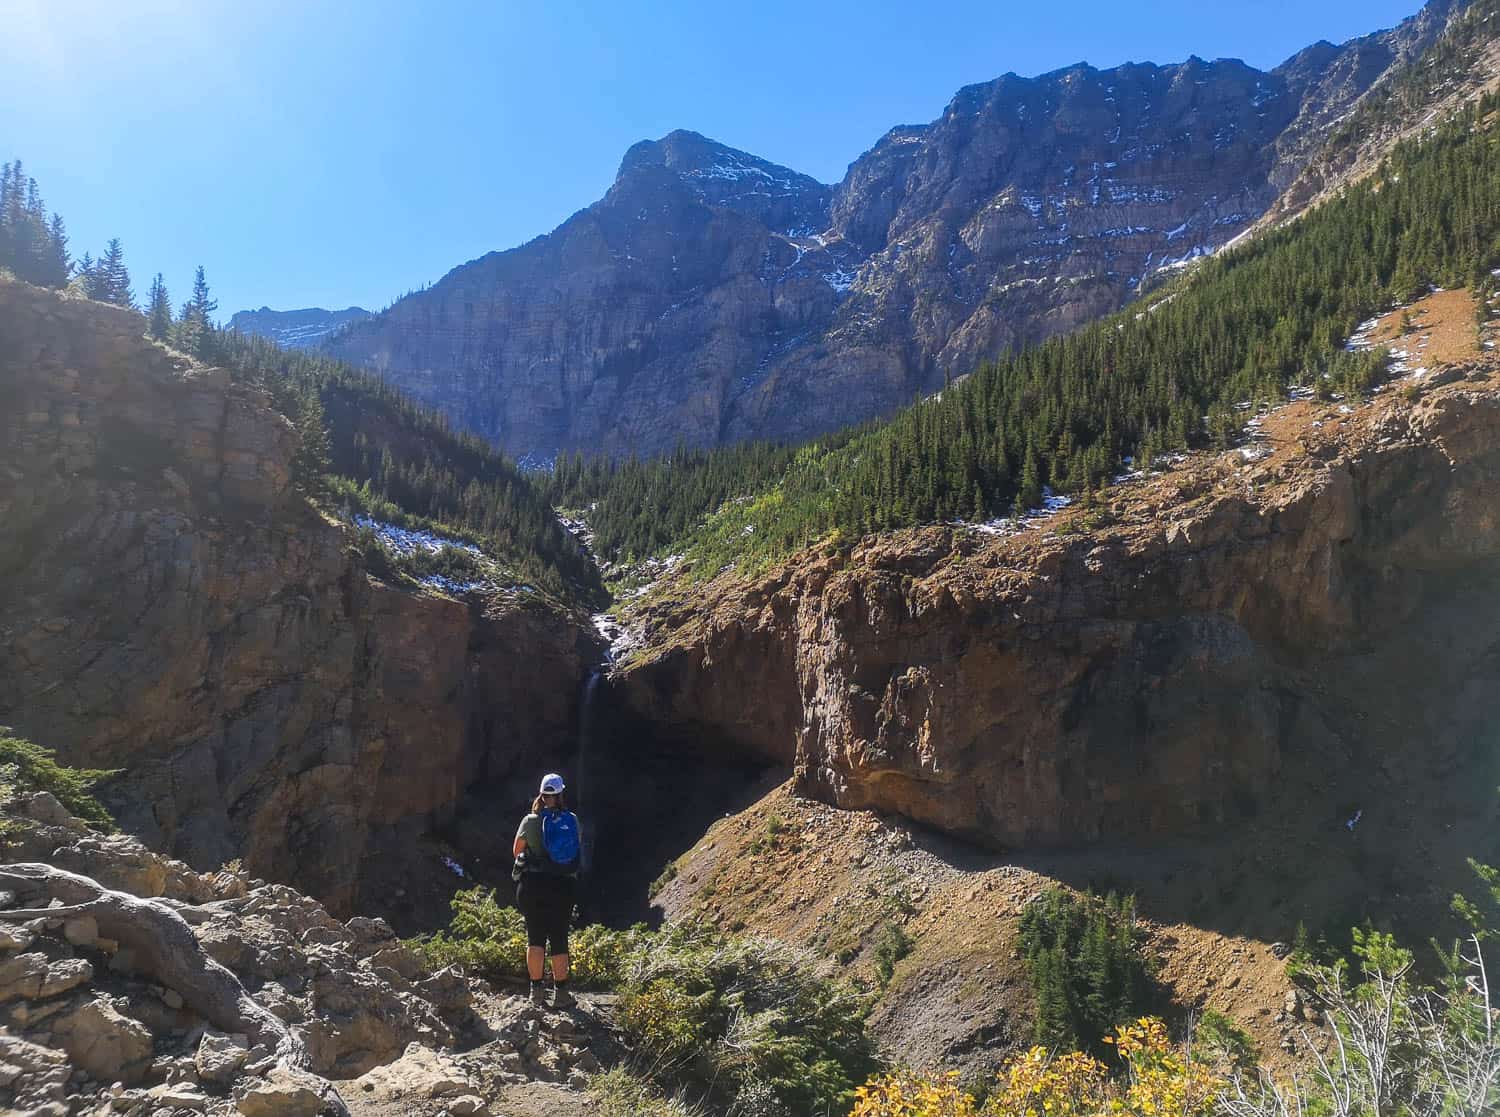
562	998
538	994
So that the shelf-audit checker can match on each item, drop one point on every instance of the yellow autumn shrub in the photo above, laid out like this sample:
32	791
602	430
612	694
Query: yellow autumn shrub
904	1094
1159	1080
1039	1084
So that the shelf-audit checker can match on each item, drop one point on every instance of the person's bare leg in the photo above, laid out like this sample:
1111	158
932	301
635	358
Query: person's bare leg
559	967
535	955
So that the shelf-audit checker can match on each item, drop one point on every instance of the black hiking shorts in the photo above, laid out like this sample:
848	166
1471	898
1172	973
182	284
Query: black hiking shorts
546	903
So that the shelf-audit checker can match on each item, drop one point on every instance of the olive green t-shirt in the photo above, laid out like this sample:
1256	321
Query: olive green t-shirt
530	831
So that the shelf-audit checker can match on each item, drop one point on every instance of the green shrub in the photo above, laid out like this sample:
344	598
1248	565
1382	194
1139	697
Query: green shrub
27	768
489	939
775	836
1087	969
728	1022
619	1092
664	878
454	563
893	945
1218	1039
745	1023
1308	955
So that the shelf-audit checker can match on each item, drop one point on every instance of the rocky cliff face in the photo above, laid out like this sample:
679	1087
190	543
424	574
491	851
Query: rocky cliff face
294	329
1323	607
635	323
1323	152
711	296
170	607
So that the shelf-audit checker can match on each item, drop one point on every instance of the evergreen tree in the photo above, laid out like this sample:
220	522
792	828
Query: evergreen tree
195	327
1029	495
1087	969
31	247
312	460
159	310
113	282
57	265
85	277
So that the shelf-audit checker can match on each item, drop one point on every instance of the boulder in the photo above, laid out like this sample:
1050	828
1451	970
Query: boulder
358	1021
44	807
420	1072
21	976
221	1056
447	991
103	1042
286	1092
28	1014
65	974
38	1076
398	958
32	977
179	1095
370	935
81	930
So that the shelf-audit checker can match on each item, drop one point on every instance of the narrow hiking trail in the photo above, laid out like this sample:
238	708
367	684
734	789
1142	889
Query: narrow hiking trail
526	1062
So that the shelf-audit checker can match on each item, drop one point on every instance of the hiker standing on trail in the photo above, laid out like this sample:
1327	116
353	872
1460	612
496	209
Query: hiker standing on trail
547	850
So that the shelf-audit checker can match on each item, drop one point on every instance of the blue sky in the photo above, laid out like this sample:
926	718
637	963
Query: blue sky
342	152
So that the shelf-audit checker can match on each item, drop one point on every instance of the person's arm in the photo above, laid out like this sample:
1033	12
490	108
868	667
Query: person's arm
519	846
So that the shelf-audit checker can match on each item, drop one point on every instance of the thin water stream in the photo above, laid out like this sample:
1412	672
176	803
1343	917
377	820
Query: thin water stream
583	764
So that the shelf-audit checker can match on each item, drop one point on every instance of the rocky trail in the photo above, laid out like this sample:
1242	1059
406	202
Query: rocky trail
92	1025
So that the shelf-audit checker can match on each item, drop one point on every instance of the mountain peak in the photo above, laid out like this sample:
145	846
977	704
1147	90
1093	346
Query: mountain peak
727	178
693	155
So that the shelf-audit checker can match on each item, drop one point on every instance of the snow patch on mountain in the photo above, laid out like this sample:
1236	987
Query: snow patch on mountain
295	329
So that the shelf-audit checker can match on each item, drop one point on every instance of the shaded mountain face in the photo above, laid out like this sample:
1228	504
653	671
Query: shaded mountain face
712	296
294	329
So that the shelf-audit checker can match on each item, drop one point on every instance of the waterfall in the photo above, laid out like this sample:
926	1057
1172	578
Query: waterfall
582	764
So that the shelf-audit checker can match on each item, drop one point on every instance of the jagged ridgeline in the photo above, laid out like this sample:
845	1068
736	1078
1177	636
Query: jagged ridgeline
1161	376
1414	89
395	460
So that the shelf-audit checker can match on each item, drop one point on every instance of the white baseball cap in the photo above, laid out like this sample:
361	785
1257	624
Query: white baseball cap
552	784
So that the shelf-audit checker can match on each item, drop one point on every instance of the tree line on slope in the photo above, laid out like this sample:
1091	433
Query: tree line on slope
1162	376
362	443
637	506
34	248
367	446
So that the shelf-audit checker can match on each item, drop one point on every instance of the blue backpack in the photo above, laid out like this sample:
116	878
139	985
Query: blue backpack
560	839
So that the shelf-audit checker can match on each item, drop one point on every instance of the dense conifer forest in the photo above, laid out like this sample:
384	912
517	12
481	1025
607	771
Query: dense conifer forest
1160	377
